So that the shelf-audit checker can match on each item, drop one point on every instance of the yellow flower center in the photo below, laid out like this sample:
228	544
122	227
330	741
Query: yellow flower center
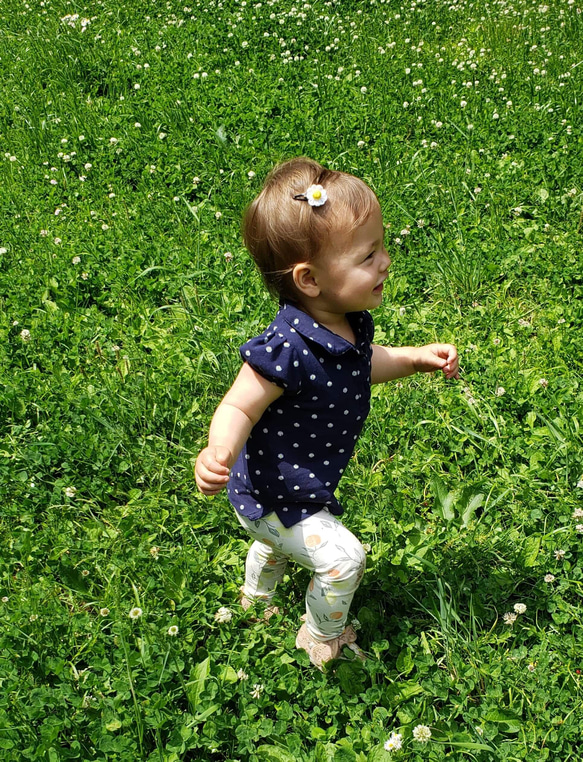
317	194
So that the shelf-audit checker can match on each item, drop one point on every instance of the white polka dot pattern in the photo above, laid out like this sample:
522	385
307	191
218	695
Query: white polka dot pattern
326	382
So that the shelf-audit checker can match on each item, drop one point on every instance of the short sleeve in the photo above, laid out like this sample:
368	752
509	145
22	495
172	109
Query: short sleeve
274	358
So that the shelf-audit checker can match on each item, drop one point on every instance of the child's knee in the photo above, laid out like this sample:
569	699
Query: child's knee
349	568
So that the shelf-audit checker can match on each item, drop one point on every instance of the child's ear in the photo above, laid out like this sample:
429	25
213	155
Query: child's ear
304	277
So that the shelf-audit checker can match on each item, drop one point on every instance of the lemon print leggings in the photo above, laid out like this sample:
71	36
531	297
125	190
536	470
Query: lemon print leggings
319	543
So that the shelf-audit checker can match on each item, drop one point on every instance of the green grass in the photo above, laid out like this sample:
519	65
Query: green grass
464	491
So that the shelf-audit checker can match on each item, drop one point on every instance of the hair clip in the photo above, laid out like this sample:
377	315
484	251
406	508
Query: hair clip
315	196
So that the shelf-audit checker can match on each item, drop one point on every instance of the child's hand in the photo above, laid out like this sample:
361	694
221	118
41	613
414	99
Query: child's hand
437	357
212	469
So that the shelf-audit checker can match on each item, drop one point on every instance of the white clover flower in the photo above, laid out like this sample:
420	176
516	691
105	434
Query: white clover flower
421	733
57	241
531	667
366	547
251	174
316	195
495	116
173	630
44	233
509	618
549	578
394	743
495	342
137	125
104	611
25	334
520	608
579	528
363	90
137	86
228	256
578	512
258	689
543	382
500	391
559	555
218	215
113	141
242	675
223	615
402	311
135	613
76	260
463	104
4	599
361	143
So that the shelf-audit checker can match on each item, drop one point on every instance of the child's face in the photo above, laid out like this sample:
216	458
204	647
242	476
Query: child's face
351	271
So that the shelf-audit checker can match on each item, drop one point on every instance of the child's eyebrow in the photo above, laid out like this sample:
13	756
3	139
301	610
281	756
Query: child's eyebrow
369	246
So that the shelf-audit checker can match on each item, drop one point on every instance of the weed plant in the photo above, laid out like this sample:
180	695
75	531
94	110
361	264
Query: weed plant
133	134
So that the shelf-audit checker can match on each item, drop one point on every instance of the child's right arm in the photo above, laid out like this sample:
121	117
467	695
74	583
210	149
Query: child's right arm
241	408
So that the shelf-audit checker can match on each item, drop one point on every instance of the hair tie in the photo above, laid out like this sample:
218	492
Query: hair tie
315	196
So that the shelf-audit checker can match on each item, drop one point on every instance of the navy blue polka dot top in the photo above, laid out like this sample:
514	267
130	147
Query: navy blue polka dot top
296	454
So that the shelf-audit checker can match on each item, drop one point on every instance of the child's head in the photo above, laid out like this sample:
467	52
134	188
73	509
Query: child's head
280	231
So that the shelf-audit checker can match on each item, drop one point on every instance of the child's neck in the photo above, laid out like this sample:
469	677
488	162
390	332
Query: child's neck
336	322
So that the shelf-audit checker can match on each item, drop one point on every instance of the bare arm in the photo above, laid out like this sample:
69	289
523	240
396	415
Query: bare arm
389	363
241	408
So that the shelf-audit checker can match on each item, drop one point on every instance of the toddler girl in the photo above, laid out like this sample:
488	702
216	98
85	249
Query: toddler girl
284	432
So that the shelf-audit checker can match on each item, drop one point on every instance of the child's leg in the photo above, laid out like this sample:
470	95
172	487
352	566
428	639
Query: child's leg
264	568
265	564
322	544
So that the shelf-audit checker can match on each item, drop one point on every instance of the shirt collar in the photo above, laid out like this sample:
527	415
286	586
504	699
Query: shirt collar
309	328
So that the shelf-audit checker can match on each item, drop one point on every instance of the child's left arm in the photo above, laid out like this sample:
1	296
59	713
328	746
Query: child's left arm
389	363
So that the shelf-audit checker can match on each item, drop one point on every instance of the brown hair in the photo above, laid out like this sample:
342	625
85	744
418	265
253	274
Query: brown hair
280	231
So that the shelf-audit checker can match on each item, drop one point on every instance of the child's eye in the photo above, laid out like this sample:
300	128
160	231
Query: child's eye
370	256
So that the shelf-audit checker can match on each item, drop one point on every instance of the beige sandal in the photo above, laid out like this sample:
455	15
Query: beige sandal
322	652
247	602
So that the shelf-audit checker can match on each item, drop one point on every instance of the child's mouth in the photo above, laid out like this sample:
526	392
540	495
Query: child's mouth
378	289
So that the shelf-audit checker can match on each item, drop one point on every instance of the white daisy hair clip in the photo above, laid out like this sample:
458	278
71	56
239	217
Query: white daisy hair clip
315	196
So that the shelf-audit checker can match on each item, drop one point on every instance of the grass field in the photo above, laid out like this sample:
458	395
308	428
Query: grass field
133	134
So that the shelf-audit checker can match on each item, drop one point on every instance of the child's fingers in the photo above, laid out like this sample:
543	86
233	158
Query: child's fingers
210	484
213	473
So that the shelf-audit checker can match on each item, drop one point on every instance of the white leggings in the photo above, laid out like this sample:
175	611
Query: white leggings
320	543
